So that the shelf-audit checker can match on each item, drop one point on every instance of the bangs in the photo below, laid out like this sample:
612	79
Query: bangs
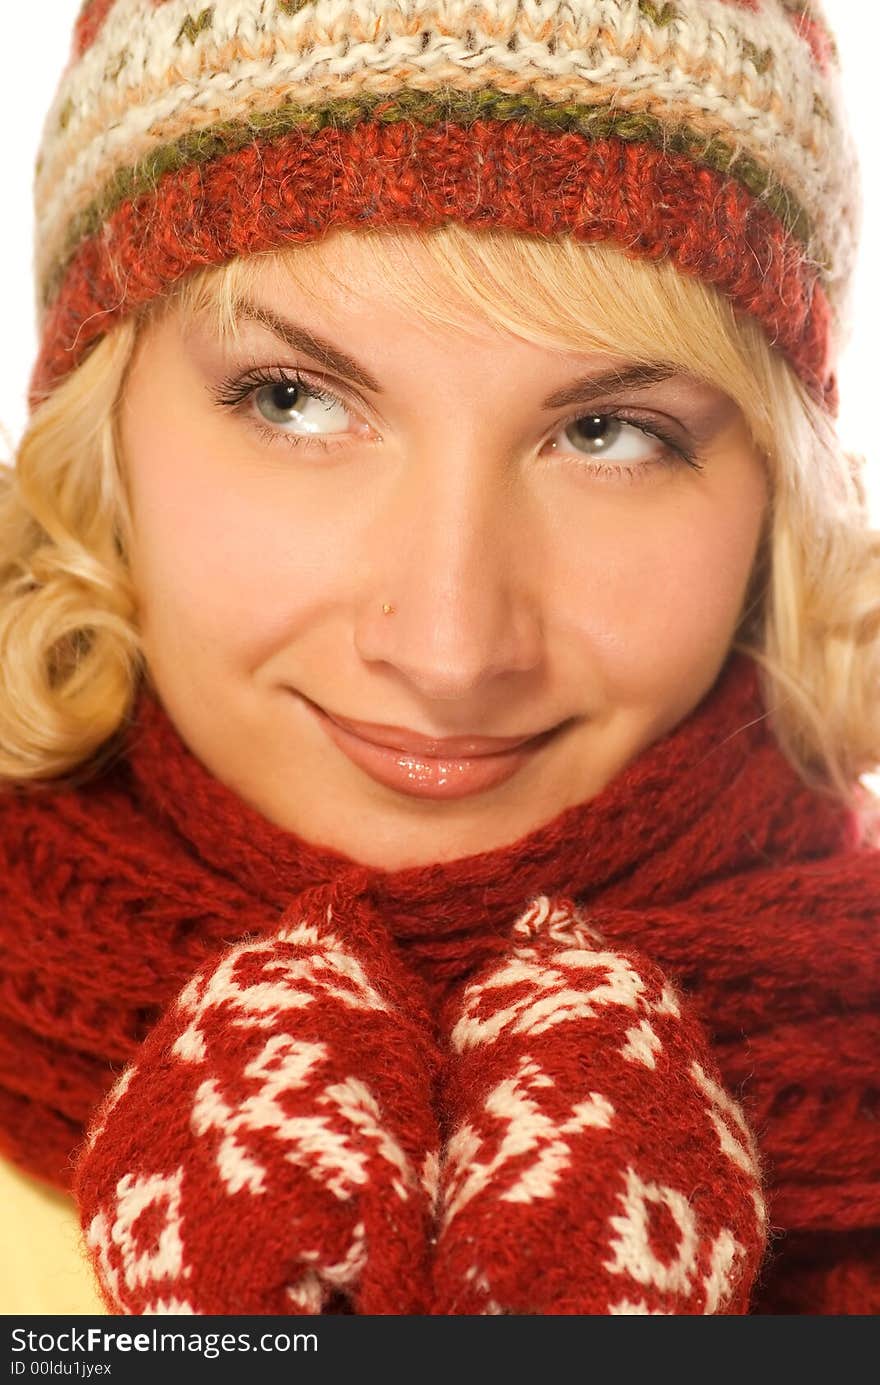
563	295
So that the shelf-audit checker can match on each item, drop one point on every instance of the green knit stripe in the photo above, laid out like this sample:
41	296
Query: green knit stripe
193	25
659	14
430	109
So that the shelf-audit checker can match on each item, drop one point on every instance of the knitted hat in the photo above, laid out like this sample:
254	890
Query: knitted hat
710	132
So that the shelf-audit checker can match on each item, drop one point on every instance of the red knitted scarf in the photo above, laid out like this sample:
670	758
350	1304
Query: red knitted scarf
563	1076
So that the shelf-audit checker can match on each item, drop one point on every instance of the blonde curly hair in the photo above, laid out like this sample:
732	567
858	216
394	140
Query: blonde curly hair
70	654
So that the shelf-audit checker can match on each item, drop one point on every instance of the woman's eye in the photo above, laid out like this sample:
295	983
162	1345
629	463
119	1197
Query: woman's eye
606	436
307	408
291	409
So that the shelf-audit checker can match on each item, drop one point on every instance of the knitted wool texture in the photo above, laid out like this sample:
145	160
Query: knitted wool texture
560	1076
709	132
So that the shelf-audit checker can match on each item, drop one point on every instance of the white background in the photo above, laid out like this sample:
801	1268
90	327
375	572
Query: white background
36	42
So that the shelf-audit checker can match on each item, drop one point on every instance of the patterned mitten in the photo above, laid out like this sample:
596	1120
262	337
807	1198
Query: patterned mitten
592	1162
264	1153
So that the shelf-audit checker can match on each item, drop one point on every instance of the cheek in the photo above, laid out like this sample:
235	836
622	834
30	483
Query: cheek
659	591
212	551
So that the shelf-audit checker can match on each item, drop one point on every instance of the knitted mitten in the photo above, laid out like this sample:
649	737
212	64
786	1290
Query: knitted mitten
264	1153
592	1161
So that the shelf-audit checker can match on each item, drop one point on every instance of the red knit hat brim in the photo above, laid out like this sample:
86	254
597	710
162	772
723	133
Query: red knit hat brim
655	204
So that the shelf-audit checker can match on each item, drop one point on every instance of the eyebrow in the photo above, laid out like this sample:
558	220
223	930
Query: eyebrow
581	391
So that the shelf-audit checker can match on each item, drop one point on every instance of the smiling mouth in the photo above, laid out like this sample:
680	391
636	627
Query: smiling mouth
440	775
445	748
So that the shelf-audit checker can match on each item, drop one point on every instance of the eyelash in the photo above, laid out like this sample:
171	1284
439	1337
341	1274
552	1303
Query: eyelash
234	392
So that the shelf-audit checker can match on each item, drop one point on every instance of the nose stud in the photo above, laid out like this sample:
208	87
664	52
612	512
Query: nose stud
387	608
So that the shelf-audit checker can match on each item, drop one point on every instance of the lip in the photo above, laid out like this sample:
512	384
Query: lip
442	775
447	747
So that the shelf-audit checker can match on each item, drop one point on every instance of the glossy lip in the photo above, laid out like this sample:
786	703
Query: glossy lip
413	743
430	776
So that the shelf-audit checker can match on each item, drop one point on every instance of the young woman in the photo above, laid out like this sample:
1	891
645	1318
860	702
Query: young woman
440	654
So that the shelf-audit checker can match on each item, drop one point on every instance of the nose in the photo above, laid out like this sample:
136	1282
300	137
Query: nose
455	554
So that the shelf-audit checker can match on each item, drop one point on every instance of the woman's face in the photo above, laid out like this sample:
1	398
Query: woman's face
549	566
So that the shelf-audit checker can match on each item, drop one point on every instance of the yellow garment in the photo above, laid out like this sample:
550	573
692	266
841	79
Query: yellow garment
43	1263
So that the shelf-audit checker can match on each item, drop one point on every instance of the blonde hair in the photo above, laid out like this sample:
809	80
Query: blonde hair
70	654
